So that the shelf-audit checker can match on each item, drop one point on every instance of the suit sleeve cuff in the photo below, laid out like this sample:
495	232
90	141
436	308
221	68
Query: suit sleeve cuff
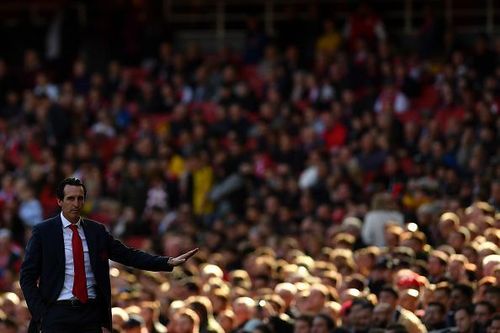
169	267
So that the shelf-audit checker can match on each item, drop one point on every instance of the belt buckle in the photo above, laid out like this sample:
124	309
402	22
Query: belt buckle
74	302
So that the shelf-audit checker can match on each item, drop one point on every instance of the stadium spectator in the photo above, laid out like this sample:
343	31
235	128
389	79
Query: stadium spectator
464	319
383	213
435	316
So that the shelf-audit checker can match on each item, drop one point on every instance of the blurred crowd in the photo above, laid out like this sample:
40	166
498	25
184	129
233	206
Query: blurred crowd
334	182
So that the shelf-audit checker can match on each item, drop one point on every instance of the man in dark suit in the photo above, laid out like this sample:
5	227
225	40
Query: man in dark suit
65	273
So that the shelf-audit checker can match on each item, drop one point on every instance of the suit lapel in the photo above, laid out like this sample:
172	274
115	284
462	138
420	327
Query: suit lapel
91	242
59	240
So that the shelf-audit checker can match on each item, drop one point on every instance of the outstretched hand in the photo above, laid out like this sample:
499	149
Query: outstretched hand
179	260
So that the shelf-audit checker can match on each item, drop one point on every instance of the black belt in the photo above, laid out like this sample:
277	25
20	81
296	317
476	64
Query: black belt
76	302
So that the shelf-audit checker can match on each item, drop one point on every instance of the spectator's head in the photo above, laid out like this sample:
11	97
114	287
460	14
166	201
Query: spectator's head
492	296
134	324
318	295
202	306
367	259
403	255
435	316
483	311
286	291
442	293
409	299
226	320
382	315
264	308
186	321
458	237
300	301
220	299
150	311
210	270
303	324
9	303
388	295
456	271
383	201
322	324
392	234
436	264
492	234
414	240
119	317
333	310
244	309
240	278
486	249
461	294
343	241
494	324
470	251
361	314
448	222
352	225
489	263
464	319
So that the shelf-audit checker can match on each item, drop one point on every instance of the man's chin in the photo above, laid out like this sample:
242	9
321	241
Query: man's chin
73	217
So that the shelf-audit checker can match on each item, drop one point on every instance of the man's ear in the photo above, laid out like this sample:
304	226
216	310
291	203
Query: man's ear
59	202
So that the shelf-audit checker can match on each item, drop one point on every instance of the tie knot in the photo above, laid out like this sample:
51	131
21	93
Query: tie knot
73	227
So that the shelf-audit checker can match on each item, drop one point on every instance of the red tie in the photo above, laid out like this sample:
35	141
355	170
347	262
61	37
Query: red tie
80	280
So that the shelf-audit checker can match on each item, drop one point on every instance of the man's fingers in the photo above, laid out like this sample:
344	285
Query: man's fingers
183	257
189	254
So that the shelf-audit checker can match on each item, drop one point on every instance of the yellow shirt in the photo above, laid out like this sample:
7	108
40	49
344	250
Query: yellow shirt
176	166
328	43
203	179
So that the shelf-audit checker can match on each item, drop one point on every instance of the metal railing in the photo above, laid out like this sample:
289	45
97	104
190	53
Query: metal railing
464	16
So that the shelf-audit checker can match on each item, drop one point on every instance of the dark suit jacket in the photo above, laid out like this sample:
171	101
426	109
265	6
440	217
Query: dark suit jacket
42	272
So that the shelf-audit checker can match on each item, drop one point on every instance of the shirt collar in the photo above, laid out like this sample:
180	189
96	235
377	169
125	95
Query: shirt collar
66	223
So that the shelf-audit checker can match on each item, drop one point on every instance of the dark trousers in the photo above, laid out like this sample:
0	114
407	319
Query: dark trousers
72	318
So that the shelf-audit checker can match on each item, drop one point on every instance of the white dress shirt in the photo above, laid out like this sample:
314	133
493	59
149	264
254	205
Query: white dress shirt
69	272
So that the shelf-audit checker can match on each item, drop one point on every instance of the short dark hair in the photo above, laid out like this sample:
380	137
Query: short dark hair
330	324
468	308
363	302
389	289
492	290
306	318
488	305
438	305
444	286
465	289
496	316
73	181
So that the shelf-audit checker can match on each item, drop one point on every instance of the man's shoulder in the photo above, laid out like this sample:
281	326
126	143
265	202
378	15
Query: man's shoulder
48	223
88	223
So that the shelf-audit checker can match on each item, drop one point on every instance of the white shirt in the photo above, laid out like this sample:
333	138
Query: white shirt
373	231
69	272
